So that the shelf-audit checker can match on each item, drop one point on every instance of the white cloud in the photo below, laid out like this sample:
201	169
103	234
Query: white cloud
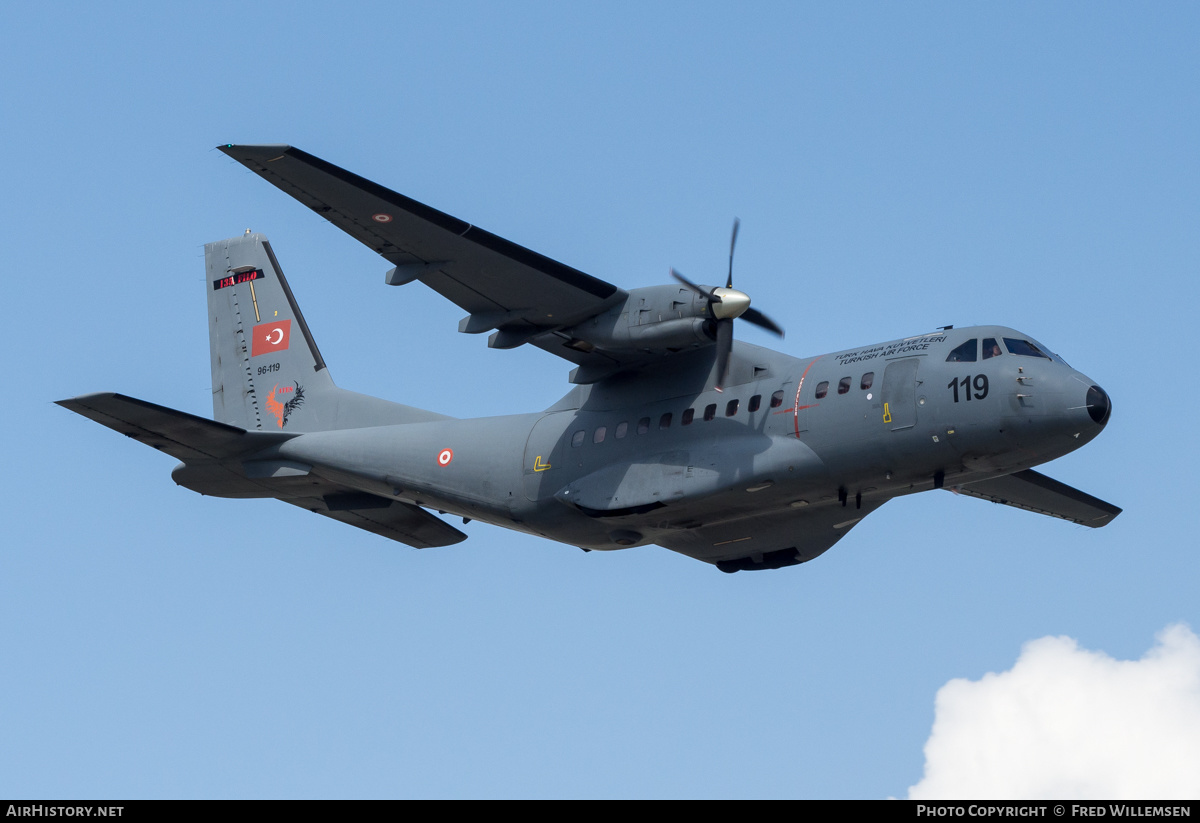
1066	723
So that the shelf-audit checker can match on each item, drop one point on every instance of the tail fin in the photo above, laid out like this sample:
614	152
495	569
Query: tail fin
267	372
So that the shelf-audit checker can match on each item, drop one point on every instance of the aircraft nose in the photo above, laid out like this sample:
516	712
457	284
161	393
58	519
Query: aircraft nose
1098	405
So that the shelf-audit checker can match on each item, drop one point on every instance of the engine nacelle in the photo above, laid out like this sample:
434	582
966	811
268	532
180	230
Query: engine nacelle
656	319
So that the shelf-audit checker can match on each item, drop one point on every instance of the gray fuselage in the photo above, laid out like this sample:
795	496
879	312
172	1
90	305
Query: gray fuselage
627	462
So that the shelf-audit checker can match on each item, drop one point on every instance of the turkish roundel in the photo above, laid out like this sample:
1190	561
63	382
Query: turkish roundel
270	337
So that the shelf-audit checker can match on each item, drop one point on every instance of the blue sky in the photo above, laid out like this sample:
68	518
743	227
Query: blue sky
896	167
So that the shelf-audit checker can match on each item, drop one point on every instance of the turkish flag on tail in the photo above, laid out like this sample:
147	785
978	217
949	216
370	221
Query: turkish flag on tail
270	337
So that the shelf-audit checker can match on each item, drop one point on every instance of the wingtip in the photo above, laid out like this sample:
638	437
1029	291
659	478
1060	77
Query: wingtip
80	401
264	151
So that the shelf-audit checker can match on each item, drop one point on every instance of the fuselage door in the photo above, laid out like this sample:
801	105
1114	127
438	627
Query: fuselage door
900	394
546	453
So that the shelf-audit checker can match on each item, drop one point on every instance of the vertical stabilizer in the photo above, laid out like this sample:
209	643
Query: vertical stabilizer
267	373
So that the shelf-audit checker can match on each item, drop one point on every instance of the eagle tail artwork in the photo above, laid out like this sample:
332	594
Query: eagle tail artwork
282	410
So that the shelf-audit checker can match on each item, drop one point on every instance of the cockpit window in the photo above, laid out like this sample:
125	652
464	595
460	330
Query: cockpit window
965	353
1023	347
991	348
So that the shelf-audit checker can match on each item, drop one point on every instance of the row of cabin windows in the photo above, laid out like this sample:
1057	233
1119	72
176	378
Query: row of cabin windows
967	352
685	419
864	383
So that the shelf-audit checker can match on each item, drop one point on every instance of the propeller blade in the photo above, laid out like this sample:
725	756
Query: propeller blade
709	296
762	321
724	347
728	304
732	243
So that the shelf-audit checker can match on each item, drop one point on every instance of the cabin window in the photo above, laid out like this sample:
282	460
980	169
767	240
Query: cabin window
1023	347
991	348
844	385
867	381
577	439
777	399
755	403
731	408
710	411
622	429
822	389
965	353
643	425
598	437
664	422
686	419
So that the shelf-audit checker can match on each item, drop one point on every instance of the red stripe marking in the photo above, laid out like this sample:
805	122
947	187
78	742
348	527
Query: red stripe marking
796	406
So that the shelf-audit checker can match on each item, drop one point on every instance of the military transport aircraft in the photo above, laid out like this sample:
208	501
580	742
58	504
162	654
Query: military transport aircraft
673	433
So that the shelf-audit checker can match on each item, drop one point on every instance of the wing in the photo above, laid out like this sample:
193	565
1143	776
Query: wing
525	296
770	541
1036	492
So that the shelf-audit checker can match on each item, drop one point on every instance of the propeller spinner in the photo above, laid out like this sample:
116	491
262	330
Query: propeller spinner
728	304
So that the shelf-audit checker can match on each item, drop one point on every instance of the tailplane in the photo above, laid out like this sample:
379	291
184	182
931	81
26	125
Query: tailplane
267	372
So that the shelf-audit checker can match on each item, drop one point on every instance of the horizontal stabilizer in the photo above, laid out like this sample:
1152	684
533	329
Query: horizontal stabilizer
204	443
393	519
183	436
1035	492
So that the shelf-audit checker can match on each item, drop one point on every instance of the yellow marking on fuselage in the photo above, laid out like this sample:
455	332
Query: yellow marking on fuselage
887	415
538	465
